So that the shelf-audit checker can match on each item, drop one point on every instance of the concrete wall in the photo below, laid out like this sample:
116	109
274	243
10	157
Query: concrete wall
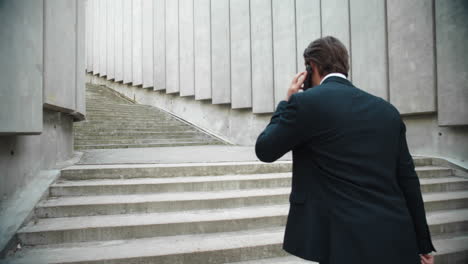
42	67
240	126
452	62
411	55
22	155
242	55
42	60
64	55
21	67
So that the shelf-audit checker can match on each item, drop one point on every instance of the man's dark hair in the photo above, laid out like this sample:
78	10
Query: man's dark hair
329	54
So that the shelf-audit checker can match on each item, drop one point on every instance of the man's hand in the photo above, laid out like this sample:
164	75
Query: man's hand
427	259
296	84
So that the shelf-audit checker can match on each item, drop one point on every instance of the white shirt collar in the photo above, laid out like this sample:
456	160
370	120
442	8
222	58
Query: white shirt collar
333	74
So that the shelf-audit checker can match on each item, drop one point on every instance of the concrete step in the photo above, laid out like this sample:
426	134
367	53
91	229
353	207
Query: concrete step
104	130
200	248
130	108
128	122
117	122
106	105
448	221
451	249
149	127
105	97
184	134
213	183
177	201
132	133
433	172
202	169
103	102
447	184
146	145
422	161
128	226
127	118
128	171
154	128
142	125
97	98
137	140
172	184
445	200
112	139
173	124
123	115
128	113
159	202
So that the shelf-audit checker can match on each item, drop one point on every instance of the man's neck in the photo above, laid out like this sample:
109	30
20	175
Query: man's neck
333	74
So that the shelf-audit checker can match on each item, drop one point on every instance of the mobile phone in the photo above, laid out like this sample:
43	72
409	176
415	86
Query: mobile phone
308	81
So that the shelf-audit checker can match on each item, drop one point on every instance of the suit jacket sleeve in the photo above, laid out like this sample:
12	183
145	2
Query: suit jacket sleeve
409	183
283	133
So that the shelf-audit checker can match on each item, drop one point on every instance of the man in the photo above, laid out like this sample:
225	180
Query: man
355	194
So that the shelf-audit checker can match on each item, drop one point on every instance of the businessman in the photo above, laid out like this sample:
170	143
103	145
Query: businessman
355	195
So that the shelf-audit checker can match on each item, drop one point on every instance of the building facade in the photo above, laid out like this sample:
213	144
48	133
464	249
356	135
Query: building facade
225	64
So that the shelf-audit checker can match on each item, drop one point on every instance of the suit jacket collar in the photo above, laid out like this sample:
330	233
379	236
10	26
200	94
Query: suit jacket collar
337	79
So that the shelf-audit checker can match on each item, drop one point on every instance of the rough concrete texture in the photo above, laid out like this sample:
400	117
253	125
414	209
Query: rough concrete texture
308	27
284	46
29	165
186	53
94	13
21	67
202	48
118	38
426	137
452	62
159	42
368	46
335	22
102	37
110	31
262	61
18	209
23	156
411	57
137	66
241	64
172	50
89	35
80	66
127	41
220	56
60	37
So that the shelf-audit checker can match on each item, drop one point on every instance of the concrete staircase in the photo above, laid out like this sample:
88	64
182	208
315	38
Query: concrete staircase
116	122
220	212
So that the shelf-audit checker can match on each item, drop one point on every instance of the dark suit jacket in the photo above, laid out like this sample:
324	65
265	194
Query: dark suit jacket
355	194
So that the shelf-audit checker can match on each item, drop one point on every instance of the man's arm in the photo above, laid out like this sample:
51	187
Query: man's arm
283	133
409	183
